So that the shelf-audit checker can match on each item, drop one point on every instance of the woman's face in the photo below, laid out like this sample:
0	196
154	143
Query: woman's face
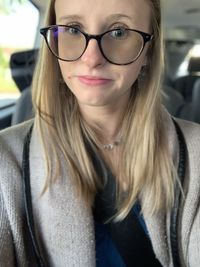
92	79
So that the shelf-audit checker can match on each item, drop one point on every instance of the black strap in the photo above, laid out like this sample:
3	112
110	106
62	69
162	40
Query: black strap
174	233
27	200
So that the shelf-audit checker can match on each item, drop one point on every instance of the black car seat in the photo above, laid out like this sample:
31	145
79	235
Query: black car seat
178	107
22	66
23	108
185	84
196	101
172	100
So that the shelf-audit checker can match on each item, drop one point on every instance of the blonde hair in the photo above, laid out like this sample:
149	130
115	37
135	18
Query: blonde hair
146	164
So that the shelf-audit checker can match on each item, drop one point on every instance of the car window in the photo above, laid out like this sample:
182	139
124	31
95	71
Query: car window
18	26
194	52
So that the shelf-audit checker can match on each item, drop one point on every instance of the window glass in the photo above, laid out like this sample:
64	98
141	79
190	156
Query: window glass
18	26
194	52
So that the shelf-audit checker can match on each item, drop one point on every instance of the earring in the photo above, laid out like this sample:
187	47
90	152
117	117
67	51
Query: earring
142	74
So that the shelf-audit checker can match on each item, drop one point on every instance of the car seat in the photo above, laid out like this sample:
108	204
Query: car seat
185	84
22	66
196	101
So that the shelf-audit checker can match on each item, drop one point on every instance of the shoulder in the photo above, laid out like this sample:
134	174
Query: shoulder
11	143
11	191
189	128
191	132
11	149
16	132
14	136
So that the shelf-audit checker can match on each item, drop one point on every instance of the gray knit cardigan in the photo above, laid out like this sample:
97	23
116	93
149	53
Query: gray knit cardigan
64	224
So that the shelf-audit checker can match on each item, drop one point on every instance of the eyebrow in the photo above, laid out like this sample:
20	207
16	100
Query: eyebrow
119	16
109	18
70	17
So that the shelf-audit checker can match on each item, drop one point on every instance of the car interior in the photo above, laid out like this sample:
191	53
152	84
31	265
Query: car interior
181	80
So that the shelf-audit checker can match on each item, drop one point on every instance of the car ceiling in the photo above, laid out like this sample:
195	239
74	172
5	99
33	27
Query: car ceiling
181	18
181	12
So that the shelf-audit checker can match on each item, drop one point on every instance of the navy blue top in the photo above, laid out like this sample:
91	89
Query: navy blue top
106	252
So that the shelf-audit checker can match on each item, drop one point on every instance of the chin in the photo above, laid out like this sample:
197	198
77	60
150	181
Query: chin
94	102
92	98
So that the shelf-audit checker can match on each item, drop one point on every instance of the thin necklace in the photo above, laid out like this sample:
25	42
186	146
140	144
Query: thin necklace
111	146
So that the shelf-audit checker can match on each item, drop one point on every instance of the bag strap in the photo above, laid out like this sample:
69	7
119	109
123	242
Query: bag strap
34	246
174	233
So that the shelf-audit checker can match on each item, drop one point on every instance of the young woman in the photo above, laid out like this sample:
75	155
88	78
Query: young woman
103	176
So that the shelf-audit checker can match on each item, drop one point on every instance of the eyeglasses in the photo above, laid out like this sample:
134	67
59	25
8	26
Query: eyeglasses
120	46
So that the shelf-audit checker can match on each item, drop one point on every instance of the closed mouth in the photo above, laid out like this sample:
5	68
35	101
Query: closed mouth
93	80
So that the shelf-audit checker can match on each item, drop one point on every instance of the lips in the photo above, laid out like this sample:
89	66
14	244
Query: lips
93	80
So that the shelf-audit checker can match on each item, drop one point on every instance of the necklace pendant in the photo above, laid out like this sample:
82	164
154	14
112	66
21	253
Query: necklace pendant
109	146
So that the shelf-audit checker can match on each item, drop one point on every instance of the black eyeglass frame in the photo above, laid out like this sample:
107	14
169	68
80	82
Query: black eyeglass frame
146	38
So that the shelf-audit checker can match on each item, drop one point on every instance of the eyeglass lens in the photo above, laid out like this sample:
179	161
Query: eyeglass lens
119	46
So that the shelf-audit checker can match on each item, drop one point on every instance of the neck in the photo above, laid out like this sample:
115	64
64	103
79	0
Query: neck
106	119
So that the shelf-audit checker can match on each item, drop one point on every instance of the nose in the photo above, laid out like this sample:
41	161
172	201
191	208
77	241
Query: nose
92	55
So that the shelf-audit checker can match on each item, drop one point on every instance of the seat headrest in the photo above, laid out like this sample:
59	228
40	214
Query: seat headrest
22	66
194	65
197	85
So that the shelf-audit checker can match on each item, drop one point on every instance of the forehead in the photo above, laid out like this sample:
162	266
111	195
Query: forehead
96	12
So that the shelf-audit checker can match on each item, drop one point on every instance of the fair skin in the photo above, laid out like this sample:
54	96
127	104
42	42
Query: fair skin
102	104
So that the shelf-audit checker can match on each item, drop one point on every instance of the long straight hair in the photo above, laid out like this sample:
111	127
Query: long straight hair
146	164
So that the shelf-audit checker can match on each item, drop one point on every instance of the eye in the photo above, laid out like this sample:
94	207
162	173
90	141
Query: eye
73	30
119	33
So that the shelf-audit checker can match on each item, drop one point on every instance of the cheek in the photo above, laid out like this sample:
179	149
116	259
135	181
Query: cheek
130	75
65	70
132	71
